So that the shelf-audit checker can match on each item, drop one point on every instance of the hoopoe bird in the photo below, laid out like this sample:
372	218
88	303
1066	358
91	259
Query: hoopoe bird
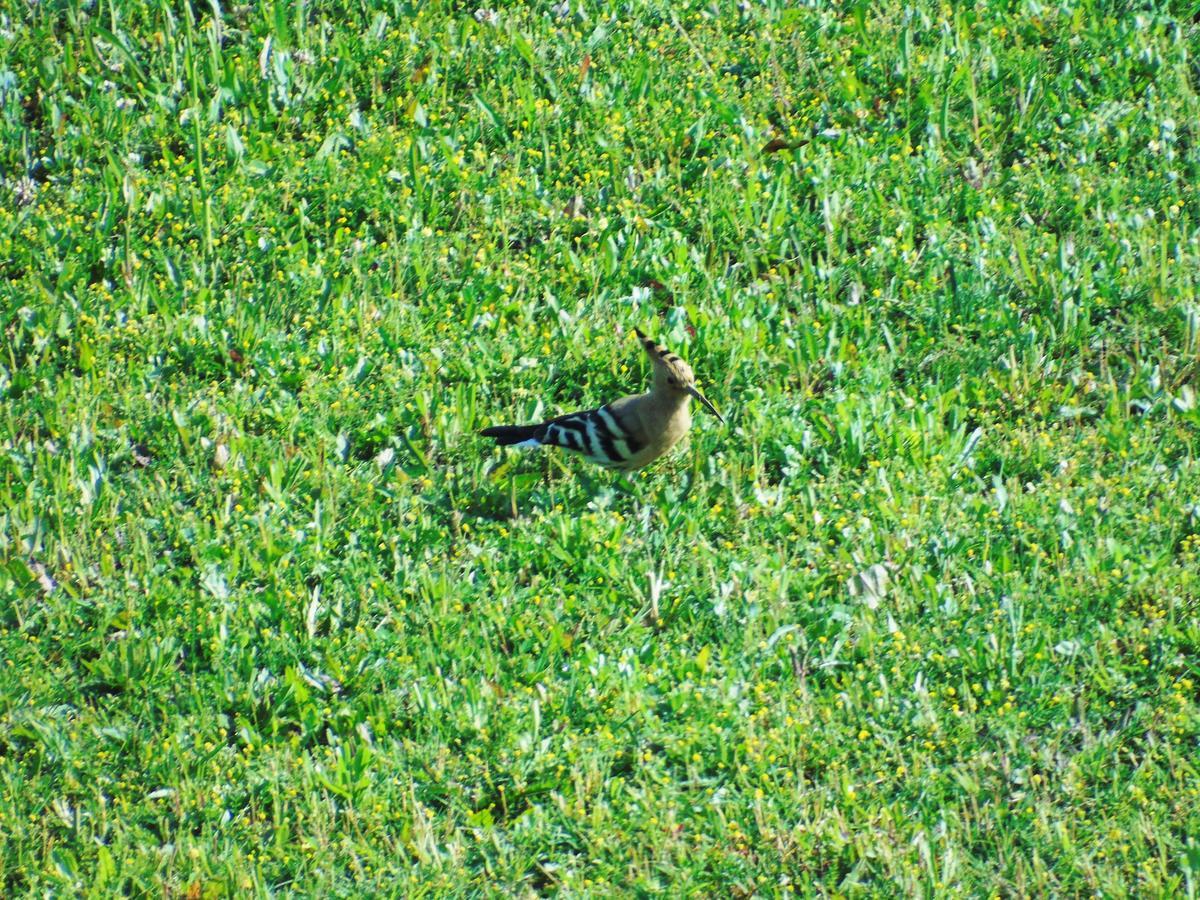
628	433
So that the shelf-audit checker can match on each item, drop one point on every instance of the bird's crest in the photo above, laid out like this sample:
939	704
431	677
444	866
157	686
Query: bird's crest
660	356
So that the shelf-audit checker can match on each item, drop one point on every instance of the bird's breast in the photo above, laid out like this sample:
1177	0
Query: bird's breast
676	427
661	434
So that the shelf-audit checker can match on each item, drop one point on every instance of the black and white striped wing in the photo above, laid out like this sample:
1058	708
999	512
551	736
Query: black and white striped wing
596	433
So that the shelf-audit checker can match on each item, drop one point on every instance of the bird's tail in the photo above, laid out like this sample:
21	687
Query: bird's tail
507	435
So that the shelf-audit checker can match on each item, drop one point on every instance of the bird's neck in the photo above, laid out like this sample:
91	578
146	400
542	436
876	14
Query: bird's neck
668	402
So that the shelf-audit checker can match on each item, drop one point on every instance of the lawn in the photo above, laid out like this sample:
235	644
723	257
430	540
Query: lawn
922	619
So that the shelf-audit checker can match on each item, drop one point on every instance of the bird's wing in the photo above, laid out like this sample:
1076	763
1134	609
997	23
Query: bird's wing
604	435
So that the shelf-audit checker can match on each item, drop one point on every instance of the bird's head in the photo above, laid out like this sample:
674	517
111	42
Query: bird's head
672	374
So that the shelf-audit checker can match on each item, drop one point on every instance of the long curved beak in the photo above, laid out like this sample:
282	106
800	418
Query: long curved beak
691	389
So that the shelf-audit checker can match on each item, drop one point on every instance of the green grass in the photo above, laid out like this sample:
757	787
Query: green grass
275	620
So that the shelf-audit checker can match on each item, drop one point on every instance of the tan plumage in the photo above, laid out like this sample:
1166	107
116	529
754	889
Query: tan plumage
628	433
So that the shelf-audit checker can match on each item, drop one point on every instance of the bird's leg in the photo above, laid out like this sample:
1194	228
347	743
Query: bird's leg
548	476
634	488
553	462
589	483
